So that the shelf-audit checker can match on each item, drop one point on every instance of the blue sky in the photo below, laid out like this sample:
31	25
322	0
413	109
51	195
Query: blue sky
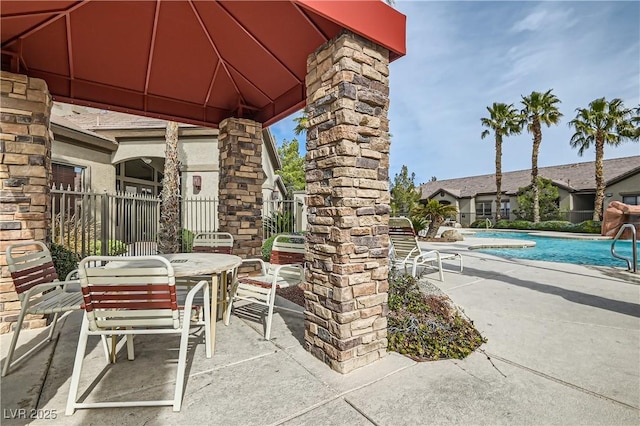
464	55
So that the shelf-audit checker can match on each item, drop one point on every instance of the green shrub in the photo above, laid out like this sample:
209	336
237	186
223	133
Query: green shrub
186	240
419	223
515	224
480	223
266	248
553	225
64	260
426	327
588	226
114	248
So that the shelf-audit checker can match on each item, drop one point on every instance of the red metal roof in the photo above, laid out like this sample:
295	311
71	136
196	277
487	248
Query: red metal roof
191	61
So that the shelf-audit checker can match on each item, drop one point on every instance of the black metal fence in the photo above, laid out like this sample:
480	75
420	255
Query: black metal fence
89	223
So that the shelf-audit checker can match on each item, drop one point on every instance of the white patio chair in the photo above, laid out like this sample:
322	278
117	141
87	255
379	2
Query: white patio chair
285	269
40	293
129	296
213	242
406	250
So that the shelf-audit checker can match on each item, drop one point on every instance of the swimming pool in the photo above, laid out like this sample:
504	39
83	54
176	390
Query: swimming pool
580	252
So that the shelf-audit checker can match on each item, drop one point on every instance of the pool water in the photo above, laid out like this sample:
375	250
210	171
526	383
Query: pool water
580	252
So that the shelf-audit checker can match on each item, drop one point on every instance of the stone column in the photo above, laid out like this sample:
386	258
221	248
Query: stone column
347	173
240	184
25	168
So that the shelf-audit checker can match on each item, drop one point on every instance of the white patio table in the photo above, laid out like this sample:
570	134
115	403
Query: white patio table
194	264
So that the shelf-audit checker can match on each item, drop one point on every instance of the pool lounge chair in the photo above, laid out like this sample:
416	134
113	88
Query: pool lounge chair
407	252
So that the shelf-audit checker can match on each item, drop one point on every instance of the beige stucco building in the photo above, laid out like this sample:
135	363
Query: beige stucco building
475	196
106	151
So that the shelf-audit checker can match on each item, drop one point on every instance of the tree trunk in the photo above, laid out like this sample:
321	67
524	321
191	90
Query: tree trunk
434	225
169	233
498	177
537	138
599	201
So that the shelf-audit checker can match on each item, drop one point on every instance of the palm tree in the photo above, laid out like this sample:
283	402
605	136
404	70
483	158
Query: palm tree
504	120
302	122
168	235
437	213
603	123
539	108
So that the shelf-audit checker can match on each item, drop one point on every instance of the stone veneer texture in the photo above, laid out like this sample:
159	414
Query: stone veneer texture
240	185
25	153
347	174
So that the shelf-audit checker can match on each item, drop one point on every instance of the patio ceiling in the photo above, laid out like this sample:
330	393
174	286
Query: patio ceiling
196	62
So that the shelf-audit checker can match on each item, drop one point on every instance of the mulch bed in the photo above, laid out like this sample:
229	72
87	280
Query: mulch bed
293	294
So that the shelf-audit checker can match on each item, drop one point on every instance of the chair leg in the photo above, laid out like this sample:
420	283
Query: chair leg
14	339
130	350
227	312
77	368
53	326
105	348
440	267
182	366
207	321
272	300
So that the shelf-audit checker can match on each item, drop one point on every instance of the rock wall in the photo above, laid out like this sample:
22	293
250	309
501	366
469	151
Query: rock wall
616	215
25	170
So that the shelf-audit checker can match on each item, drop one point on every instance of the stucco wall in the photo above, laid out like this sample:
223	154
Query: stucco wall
629	186
99	173
565	200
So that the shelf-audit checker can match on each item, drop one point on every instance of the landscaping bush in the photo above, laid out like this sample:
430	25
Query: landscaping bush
64	260
480	223
426	327
588	226
186	240
552	225
114	248
267	246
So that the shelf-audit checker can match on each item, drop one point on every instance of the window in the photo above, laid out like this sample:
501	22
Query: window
68	177
506	209
633	200
483	208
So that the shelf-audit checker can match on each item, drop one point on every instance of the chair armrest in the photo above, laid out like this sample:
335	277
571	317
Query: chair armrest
188	302
425	254
41	288
293	266
73	278
263	265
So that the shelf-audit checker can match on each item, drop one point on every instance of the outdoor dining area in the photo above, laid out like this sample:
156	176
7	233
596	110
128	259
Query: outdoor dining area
123	297
223	65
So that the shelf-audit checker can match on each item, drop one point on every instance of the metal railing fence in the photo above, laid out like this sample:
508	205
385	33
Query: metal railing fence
89	223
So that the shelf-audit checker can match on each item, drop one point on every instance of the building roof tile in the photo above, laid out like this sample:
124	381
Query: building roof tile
574	177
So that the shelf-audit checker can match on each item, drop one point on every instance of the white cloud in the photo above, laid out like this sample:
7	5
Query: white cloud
543	17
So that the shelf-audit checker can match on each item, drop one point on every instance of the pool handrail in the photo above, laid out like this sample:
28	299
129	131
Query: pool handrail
633	267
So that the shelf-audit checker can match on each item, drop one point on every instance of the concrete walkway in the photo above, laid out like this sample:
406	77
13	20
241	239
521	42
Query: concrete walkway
563	348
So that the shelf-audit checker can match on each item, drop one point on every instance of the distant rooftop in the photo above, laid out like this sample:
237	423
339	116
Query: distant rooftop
574	177
92	119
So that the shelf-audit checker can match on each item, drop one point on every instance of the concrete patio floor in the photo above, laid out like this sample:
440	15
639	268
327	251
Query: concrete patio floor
563	348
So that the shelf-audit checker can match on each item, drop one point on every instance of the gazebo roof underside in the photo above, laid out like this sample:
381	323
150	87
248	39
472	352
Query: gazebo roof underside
196	62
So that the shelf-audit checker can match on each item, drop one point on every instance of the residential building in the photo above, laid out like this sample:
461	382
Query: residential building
475	196
114	152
